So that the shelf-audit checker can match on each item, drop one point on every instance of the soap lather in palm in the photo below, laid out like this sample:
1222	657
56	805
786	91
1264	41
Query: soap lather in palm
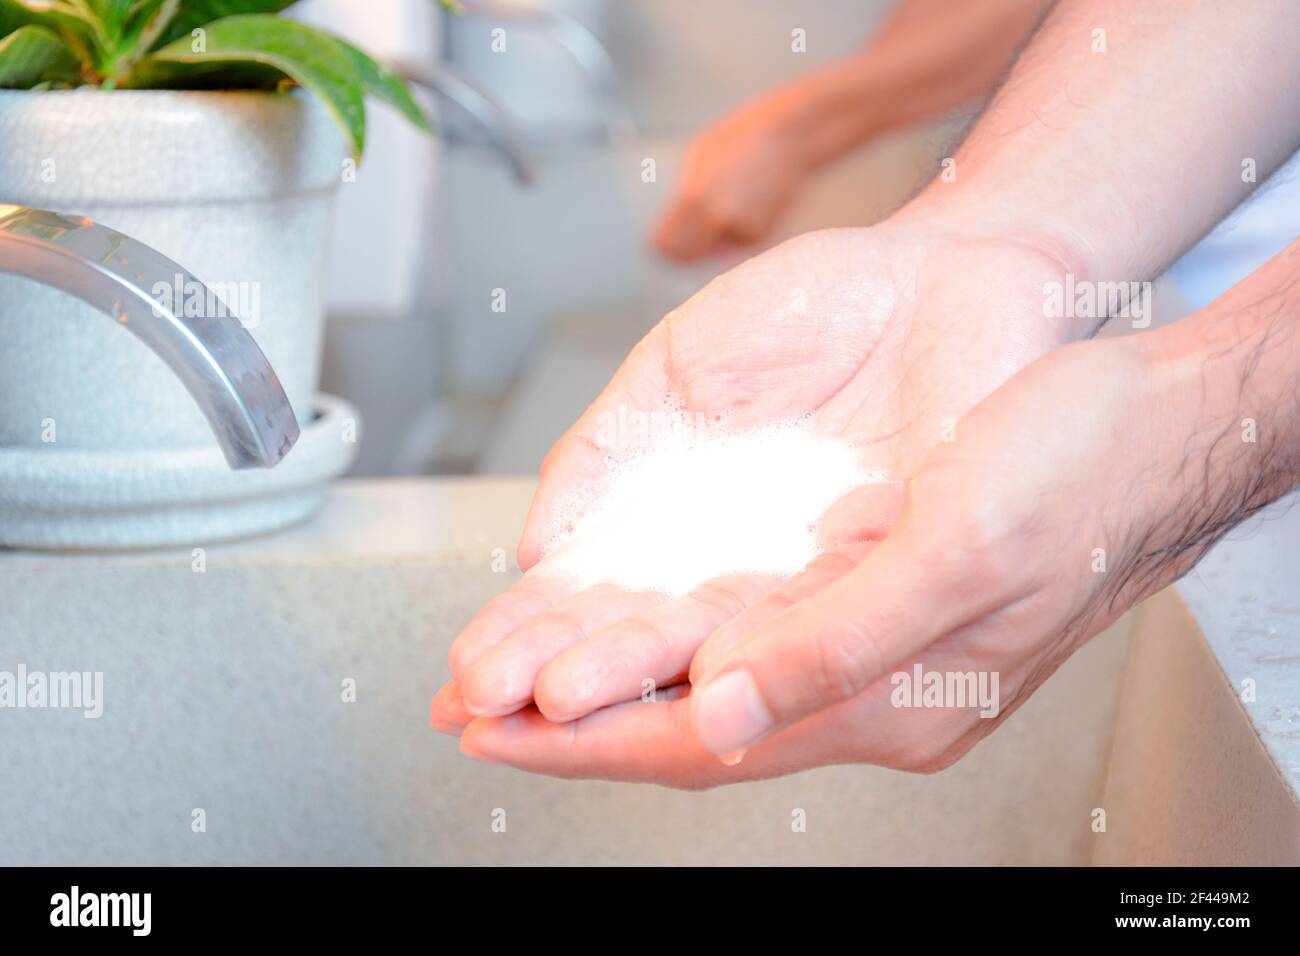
798	333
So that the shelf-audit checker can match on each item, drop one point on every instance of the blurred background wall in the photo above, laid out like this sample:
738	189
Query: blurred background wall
484	284
587	91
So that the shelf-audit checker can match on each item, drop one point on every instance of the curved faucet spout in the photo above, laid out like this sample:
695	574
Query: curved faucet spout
213	355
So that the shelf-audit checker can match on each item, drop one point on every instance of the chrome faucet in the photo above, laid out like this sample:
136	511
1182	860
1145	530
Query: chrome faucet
214	357
486	113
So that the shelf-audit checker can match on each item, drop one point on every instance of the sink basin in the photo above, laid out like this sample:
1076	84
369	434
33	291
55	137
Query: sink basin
226	673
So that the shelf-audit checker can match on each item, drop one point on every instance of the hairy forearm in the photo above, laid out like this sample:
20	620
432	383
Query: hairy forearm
1226	394
1120	135
931	56
1243	351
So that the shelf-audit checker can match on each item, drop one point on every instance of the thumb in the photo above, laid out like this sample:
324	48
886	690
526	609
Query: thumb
577	466
573	472
906	594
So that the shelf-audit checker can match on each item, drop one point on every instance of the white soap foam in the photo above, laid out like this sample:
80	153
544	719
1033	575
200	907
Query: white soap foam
704	502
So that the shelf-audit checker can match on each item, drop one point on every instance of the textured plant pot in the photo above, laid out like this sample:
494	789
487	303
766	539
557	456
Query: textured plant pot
234	186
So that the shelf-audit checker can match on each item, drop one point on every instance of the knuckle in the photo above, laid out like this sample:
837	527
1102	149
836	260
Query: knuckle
719	597
656	644
782	598
565	629
556	696
837	562
987	527
846	659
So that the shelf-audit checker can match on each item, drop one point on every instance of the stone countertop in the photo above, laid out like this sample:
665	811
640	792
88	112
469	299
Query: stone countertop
222	692
361	521
1245	595
407	561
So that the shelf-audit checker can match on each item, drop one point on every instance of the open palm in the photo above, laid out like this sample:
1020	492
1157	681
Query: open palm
883	337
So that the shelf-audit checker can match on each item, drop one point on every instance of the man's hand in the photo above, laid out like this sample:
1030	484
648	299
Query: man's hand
738	175
1091	479
741	172
884	337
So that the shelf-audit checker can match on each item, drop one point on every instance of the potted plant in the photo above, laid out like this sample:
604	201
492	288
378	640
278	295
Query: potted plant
217	132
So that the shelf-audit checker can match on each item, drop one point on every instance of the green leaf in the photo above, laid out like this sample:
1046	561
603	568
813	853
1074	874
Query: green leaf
198	13
74	20
150	20
32	55
111	13
316	61
14	15
382	83
129	29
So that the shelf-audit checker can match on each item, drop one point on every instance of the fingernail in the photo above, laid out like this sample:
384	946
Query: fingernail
730	714
733	758
488	703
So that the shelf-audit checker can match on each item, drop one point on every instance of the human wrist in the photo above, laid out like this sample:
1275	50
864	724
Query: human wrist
995	213
1045	263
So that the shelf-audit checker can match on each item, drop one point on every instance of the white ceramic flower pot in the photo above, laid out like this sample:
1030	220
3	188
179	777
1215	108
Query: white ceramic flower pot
234	186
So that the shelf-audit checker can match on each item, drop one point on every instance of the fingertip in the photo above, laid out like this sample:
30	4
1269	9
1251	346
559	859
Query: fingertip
687	234
472	744
661	236
455	659
489	691
447	713
499	739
